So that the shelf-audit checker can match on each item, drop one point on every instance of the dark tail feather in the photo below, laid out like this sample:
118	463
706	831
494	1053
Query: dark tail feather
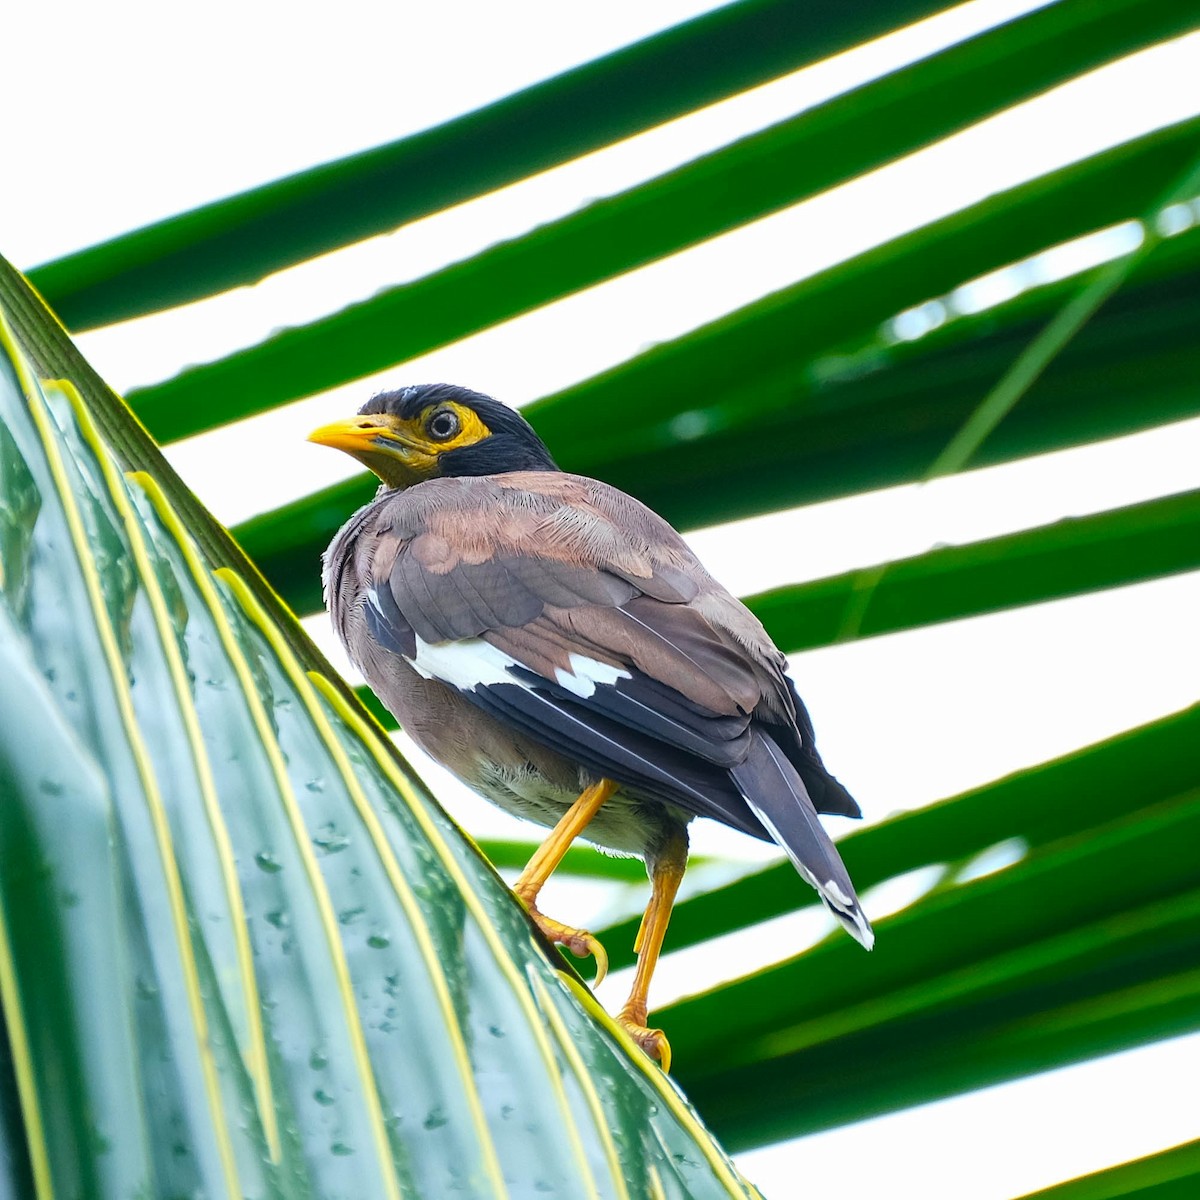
825	792
777	795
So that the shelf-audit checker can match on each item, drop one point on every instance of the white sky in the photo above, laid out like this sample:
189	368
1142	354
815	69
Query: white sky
148	110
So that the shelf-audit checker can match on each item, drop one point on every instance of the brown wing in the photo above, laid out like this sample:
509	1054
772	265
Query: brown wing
586	591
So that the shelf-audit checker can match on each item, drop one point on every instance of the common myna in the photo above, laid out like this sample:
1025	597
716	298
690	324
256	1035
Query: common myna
557	646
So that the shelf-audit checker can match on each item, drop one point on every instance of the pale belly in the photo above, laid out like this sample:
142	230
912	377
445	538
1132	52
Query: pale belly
624	825
515	773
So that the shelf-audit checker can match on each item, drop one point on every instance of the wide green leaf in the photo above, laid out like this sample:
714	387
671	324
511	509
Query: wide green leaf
242	951
1086	945
1077	555
1056	800
682	426
1172	1175
243	238
704	374
1132	367
836	141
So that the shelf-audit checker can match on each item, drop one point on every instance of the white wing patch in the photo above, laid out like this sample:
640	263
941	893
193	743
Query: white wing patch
586	673
465	665
473	663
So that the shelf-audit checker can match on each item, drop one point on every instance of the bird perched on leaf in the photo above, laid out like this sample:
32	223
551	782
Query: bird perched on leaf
558	647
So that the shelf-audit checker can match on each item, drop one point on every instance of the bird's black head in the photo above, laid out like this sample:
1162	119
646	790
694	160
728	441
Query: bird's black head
436	430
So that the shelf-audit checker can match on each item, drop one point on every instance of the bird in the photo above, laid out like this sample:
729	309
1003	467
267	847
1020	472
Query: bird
556	645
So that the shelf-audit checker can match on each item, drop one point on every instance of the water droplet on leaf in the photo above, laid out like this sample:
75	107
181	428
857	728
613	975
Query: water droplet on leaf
329	840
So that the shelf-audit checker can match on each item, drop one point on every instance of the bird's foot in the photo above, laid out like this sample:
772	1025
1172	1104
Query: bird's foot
652	1041
578	941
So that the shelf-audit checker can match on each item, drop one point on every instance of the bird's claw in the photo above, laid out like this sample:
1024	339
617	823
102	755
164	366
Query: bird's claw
578	941
652	1041
581	944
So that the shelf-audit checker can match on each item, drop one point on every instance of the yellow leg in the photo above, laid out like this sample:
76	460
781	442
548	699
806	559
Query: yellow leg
541	866
666	873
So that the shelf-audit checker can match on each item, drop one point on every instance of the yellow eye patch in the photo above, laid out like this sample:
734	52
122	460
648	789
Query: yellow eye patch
470	429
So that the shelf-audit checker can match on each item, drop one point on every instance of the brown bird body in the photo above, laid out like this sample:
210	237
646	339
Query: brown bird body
435	530
544	635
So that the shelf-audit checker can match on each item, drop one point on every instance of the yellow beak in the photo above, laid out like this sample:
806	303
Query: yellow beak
383	445
355	435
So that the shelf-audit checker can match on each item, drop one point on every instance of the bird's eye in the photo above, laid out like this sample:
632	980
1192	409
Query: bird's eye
443	425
